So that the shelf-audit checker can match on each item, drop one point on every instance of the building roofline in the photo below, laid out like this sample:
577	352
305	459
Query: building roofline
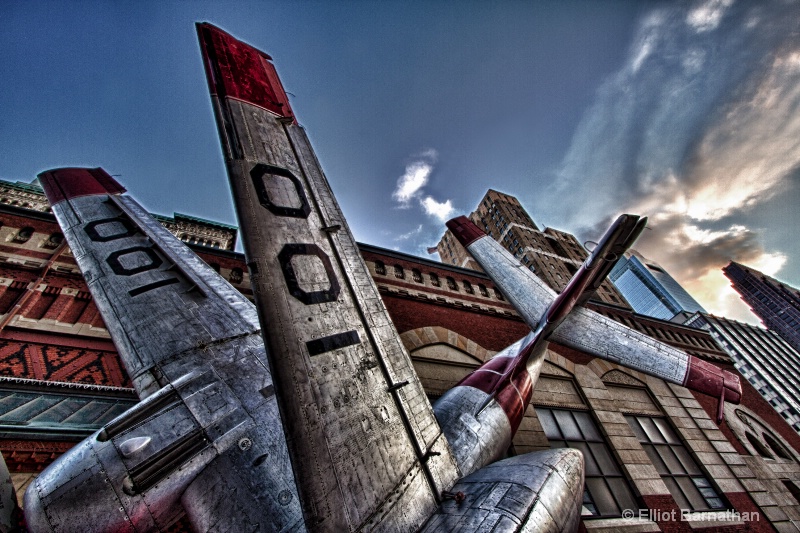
27	212
21	185
422	260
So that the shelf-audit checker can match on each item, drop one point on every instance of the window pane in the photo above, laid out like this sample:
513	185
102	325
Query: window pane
620	490
696	499
637	428
715	503
569	429
591	466
686	460
587	426
677	493
604	459
673	465
667	431
653	434
655	459
588	508
602	497
707	491
548	423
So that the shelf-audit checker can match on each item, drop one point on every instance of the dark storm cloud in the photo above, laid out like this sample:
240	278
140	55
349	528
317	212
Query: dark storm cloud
700	124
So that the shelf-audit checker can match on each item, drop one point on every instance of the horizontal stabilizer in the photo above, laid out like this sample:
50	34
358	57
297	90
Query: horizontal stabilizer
583	329
146	283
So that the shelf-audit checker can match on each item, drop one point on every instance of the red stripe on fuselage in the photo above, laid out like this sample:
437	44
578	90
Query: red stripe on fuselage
513	385
65	183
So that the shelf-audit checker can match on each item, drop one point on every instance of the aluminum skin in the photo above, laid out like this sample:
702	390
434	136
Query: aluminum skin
366	449
538	492
360	446
191	344
562	319
10	513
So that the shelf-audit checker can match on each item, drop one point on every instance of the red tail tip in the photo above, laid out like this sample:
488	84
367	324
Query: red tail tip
714	381
66	183
464	230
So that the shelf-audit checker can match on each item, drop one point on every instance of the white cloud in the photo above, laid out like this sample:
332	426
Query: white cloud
707	16
412	233
696	149
440	210
415	177
410	183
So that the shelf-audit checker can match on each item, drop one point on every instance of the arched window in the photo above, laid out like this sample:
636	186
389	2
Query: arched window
758	445
53	241
416	275
236	276
606	491
451	284
434	279
482	289
468	287
776	446
24	235
498	295
399	272
380	268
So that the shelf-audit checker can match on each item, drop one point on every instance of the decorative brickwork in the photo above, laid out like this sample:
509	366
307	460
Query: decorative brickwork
63	364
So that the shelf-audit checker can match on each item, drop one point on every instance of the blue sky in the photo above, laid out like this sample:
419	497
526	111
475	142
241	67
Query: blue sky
683	111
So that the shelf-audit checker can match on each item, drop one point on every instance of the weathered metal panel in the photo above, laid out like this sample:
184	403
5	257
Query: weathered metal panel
536	492
595	334
194	349
361	426
124	256
529	295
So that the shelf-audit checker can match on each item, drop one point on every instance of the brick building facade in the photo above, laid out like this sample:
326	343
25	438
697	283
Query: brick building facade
60	380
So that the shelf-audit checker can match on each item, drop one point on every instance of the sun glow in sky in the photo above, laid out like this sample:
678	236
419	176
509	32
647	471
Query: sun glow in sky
686	112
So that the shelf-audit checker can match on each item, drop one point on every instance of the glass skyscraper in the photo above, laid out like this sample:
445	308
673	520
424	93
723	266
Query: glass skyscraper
649	289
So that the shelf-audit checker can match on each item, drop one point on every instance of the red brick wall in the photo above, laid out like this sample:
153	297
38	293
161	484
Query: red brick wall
490	332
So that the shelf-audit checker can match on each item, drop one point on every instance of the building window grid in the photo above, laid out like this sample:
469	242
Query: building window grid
679	471
745	345
606	491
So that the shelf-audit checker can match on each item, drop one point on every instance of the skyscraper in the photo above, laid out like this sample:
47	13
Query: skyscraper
768	362
650	289
775	303
552	254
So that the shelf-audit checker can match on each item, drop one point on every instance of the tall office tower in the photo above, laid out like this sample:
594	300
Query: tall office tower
552	254
768	362
775	303
649	289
